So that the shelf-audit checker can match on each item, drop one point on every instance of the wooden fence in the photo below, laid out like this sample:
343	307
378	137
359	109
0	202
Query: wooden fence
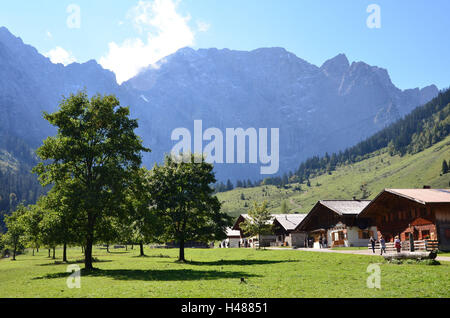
423	245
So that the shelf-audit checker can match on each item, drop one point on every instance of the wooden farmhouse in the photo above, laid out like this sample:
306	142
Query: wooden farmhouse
284	232
284	229
338	222
264	240
422	213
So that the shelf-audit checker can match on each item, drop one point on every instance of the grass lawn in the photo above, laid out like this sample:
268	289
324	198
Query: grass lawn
216	273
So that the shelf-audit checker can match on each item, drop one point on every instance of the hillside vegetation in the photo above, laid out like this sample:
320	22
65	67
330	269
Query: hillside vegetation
364	179
17	183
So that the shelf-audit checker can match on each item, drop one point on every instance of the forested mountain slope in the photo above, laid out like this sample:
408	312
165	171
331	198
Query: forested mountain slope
364	179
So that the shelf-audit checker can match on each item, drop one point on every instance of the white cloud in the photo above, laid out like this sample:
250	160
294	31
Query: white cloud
59	55
203	26
165	32
49	34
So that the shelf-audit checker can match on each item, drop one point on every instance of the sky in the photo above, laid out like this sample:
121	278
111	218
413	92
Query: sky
410	38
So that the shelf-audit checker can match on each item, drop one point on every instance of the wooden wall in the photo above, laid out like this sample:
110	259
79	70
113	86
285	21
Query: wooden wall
443	226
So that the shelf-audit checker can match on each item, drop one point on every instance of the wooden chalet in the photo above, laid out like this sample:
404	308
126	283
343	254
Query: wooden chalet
284	229
265	240
422	213
338	222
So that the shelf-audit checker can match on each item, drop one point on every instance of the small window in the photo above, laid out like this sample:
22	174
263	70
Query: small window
365	235
425	235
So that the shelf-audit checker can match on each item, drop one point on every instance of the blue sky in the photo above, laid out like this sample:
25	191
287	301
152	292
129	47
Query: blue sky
126	35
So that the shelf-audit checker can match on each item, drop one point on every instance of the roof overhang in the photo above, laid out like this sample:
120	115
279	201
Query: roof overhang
378	206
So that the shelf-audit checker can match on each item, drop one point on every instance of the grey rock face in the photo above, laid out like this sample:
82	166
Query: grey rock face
318	109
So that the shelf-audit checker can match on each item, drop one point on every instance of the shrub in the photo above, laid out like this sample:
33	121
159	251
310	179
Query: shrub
395	261
431	262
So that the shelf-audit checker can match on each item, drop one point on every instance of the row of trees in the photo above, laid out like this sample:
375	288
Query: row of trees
222	187
279	181
101	194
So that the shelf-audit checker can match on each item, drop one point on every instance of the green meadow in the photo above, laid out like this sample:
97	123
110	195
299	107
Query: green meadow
378	172
217	273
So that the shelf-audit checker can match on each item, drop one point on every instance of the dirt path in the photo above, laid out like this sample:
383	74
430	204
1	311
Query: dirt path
354	252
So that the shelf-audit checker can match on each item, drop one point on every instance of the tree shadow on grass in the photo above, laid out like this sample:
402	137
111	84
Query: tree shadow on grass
241	262
153	256
156	275
78	261
118	252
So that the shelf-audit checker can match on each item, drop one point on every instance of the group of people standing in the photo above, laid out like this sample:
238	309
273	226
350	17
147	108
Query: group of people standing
225	244
397	244
323	242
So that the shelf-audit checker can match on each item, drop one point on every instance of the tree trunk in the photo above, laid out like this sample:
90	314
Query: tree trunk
82	249
107	248
88	255
132	246
89	242
33	251
48	253
54	256
141	245
14	252
65	253
181	257
126	247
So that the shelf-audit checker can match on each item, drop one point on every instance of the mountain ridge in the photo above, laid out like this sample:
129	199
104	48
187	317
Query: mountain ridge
318	109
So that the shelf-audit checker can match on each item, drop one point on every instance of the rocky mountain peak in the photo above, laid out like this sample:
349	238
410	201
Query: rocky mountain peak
336	67
318	110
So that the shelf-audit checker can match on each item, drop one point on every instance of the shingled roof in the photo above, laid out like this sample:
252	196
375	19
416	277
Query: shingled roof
342	207
232	233
289	221
423	196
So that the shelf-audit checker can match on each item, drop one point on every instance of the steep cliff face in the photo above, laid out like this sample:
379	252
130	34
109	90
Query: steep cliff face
318	109
31	84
